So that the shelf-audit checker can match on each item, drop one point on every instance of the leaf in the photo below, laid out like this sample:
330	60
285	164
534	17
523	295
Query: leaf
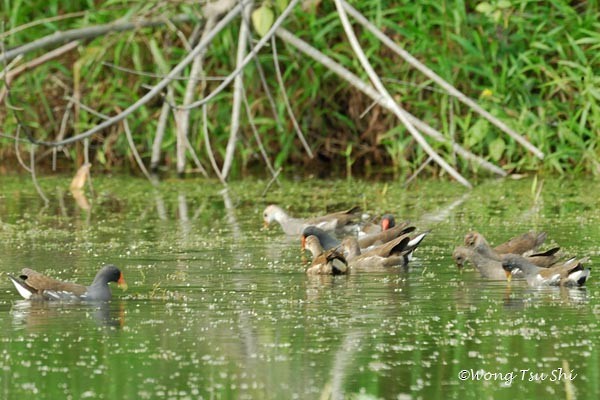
497	149
280	5
262	19
80	177
503	4
477	132
496	16
484	8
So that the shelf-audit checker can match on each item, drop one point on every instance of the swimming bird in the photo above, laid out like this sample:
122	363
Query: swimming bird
521	244
295	226
397	252
488	267
489	262
325	262
35	286
386	222
329	242
570	273
462	254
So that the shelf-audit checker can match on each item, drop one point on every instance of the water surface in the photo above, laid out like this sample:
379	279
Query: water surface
219	307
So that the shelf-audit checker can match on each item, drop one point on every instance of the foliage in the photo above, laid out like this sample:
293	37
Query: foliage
533	64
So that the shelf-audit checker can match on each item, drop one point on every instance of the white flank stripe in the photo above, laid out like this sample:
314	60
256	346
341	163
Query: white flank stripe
23	291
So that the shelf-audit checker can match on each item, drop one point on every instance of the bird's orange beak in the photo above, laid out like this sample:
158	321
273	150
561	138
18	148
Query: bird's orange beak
385	224
121	283
303	240
508	275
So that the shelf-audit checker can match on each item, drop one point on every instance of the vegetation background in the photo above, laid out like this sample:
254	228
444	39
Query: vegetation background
535	65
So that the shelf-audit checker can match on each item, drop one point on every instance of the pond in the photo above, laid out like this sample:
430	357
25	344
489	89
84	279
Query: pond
219	307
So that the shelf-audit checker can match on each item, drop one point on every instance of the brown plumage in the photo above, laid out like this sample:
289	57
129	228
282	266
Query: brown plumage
33	285
385	236
40	282
518	245
295	226
463	254
392	253
489	262
325	262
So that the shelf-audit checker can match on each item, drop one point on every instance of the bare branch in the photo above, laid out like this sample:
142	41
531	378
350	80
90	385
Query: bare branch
417	172
263	81
161	76
238	89
128	134
273	179
209	152
263	152
373	94
87	33
35	63
439	80
182	117
387	98
18	152
158	87
33	177
249	57
287	101
23	27
135	153
160	134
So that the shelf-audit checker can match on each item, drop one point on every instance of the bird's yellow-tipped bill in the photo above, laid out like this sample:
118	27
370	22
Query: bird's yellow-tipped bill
121	283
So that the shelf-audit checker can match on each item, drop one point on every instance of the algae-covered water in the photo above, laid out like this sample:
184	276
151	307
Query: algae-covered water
219	308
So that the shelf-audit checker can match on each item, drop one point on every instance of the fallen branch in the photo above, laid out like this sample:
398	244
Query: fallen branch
128	134
161	76
261	148
161	126
238	89
439	80
209	151
135	153
387	98
157	88
18	152
12	74
42	21
87	33
33	177
273	179
417	172
196	75
263	81
261	43
373	94
286	100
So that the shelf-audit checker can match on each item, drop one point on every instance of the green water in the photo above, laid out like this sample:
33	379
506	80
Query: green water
220	308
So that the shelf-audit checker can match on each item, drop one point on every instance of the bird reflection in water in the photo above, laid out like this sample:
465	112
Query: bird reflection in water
37	315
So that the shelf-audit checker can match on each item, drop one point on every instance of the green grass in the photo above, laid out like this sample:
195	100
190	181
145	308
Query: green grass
535	65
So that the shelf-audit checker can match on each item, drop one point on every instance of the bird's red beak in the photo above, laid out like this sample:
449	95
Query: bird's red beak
385	224
121	283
